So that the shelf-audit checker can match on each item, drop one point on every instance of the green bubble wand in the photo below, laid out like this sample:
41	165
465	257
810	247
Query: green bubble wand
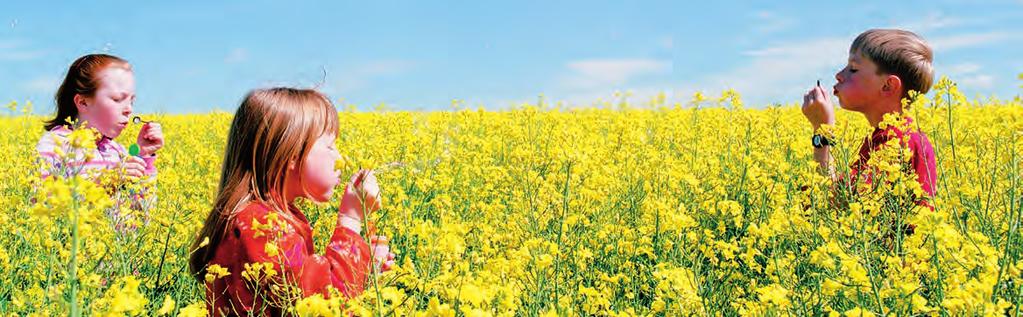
134	149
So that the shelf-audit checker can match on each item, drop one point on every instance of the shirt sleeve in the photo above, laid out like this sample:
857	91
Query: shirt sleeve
150	165
924	163
47	153
268	238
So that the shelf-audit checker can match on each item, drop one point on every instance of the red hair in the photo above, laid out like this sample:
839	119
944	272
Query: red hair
81	79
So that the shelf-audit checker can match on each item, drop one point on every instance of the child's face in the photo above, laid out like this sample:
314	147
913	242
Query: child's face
318	174
109	108
859	84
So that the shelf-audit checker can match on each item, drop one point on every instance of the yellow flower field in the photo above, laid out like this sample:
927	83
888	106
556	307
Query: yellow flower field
707	207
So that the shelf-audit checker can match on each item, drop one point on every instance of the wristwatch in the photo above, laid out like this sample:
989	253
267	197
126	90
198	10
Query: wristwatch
820	141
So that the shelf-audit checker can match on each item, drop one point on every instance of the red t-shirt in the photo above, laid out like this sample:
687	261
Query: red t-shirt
345	265
922	161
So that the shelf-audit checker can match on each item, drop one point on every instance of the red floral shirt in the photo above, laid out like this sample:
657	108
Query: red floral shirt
283	239
922	162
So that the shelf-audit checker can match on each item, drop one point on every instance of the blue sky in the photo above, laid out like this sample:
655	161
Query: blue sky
204	55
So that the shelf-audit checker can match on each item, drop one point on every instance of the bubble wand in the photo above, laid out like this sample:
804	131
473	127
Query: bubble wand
134	148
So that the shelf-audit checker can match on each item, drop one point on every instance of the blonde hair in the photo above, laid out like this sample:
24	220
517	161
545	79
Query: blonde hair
271	128
900	53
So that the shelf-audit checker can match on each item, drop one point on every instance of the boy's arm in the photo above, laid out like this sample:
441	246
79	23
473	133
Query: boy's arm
823	157
818	110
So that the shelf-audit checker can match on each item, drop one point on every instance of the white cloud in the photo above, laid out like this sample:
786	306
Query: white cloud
360	76
770	22
932	21
592	74
978	81
969	75
813	49
963	68
953	42
782	72
41	85
15	50
587	82
237	55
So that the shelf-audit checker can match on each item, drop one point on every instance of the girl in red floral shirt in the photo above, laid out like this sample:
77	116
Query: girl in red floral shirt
255	251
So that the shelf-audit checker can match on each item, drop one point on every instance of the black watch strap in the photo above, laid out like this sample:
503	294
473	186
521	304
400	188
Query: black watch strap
820	141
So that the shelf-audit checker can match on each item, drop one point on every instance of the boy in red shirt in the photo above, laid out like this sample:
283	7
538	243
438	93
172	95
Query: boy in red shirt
884	65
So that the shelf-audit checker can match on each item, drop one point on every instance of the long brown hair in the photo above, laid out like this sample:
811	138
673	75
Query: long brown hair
81	79
271	128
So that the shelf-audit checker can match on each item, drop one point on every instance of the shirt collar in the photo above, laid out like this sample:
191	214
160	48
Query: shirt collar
103	143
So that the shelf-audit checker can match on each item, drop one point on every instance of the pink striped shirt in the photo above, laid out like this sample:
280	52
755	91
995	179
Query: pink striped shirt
129	204
107	154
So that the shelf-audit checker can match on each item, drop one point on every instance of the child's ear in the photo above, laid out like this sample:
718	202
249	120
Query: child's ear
892	85
80	103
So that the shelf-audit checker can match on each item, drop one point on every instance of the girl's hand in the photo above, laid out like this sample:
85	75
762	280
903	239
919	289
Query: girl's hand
362	195
134	166
384	258
150	139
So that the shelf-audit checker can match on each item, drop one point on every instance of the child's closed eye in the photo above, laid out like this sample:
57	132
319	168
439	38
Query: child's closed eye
123	97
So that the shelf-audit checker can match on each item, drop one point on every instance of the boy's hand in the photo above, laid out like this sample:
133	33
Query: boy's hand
362	195
150	139
817	108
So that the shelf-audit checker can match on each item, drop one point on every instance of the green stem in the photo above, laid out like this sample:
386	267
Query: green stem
374	271
73	274
951	135
564	212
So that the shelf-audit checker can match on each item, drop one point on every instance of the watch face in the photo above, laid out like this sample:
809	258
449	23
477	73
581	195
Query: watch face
816	140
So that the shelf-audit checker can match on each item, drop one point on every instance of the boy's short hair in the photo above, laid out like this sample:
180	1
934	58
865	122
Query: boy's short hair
900	53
